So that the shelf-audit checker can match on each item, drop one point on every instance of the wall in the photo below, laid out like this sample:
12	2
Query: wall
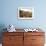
9	13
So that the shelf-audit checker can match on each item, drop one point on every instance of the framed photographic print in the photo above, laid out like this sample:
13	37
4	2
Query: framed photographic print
25	13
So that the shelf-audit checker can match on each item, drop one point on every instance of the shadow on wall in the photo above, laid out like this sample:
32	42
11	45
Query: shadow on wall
2	26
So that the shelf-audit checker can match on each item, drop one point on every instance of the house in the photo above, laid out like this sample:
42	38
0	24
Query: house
9	13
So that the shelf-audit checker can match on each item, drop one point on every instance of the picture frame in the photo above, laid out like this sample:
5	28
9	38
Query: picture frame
25	13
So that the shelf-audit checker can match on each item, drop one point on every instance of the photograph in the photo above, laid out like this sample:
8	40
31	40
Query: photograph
25	13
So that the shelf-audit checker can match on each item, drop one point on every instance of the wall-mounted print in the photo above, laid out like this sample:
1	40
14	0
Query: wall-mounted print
25	13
